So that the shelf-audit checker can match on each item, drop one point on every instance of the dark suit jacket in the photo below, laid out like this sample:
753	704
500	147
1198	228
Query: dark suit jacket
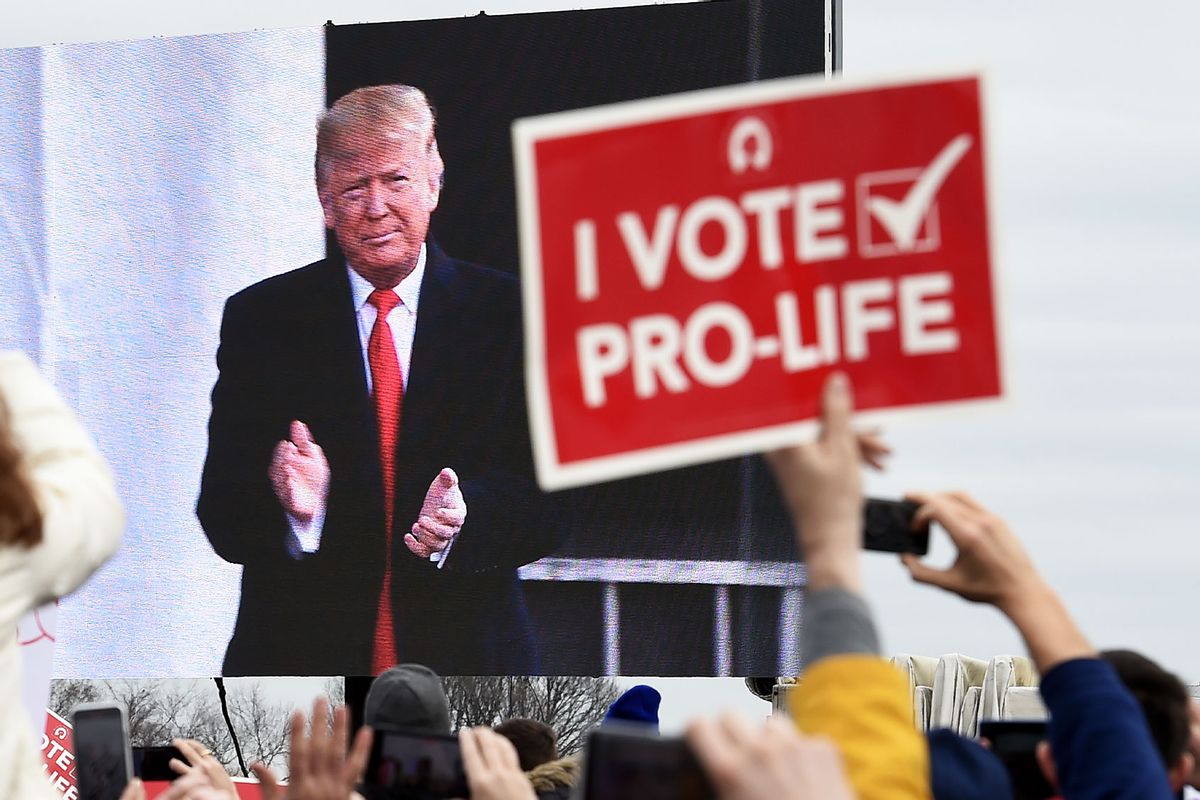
290	350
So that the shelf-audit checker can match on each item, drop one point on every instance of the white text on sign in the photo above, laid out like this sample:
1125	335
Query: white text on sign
816	217
667	353
664	352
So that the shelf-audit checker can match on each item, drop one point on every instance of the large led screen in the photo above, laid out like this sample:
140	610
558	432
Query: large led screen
206	299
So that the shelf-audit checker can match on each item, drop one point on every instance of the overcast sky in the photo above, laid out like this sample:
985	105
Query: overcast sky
1094	154
1094	125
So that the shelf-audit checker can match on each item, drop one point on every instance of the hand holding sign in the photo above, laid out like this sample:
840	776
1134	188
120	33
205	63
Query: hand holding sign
821	482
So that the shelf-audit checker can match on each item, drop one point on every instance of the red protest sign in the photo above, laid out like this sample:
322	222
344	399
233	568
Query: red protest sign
694	266
58	756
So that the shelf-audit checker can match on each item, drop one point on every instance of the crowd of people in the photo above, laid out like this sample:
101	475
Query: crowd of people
1120	726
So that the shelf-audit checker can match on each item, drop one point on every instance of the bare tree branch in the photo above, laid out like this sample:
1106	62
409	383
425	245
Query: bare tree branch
262	726
570	705
68	693
160	711
335	692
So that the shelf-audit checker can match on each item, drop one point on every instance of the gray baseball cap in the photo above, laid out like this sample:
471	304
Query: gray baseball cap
408	696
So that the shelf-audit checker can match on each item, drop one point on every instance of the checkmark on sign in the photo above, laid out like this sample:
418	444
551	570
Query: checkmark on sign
902	219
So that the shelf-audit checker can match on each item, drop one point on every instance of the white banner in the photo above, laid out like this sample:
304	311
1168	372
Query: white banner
35	635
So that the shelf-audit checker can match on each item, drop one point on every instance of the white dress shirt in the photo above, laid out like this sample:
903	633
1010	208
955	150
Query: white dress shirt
403	322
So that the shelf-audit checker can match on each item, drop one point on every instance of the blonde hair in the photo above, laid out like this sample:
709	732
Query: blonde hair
396	108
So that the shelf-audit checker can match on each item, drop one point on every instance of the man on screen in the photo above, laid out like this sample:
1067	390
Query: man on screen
368	456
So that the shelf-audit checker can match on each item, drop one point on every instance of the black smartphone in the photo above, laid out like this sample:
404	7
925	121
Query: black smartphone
1014	742
103	760
413	765
622	763
888	527
154	763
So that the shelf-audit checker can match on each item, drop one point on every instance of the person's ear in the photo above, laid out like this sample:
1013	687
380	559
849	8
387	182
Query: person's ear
1181	773
1045	760
436	171
326	198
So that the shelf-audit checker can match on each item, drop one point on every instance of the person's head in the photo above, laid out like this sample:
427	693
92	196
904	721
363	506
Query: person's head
1194	739
535	741
638	705
1164	701
20	519
379	177
408	696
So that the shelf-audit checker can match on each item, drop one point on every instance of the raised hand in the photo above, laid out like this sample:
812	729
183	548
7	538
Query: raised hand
135	790
872	447
442	516
195	786
492	768
821	482
201	768
774	762
319	766
993	567
299	474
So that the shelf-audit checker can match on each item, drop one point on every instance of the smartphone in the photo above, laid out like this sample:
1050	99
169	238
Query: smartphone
414	765
103	760
623	763
154	763
1014	743
888	527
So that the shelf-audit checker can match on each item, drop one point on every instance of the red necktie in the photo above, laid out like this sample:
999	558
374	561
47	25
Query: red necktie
388	390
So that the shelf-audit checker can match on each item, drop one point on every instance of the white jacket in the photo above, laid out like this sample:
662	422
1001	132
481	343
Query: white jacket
82	521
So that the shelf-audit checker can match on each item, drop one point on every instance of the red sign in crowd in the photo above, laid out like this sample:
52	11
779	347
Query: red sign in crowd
694	266
58	760
58	756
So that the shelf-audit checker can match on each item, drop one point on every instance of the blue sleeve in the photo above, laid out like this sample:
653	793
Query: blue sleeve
961	767
1102	746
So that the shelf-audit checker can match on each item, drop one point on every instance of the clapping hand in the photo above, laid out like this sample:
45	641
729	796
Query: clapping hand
299	473
442	516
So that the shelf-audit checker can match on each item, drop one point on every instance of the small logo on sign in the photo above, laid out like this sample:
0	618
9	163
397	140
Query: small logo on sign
750	145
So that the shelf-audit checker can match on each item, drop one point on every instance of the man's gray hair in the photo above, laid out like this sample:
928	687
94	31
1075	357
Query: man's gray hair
399	109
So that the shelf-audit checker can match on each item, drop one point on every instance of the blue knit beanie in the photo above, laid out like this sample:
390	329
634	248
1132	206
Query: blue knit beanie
638	704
